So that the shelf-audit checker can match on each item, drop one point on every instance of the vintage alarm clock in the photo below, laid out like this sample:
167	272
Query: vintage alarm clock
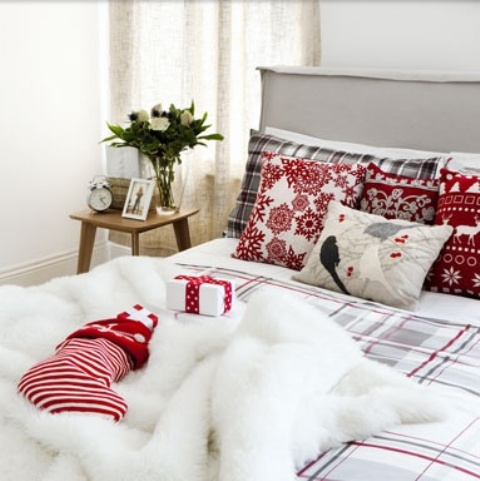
100	197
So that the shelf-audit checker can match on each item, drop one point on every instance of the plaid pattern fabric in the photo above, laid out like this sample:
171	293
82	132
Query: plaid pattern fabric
431	351
237	220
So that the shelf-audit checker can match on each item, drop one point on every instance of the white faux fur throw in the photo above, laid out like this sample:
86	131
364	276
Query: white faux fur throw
225	400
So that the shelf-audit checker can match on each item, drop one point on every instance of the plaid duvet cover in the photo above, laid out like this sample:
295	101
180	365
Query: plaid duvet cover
432	351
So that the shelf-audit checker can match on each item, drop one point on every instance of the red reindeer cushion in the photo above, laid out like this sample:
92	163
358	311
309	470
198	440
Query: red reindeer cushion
457	269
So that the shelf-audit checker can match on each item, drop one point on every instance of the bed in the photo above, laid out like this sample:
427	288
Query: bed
313	374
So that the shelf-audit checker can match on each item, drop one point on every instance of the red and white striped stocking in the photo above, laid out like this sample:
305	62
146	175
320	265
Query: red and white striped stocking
78	377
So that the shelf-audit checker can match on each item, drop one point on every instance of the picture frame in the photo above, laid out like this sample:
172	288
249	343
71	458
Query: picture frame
138	199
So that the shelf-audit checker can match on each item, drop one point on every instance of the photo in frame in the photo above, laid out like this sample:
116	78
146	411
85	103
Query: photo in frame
138	199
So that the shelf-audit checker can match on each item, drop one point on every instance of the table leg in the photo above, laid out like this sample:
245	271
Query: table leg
135	244
87	240
182	234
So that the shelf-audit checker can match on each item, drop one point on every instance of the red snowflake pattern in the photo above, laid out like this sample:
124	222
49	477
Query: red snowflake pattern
360	173
339	168
277	251
292	169
307	177
341	181
308	225
352	194
262	203
250	244
280	219
312	178
300	202
294	261
271	174
267	155
321	202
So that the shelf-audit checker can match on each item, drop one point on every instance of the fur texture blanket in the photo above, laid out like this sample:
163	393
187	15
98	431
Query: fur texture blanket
232	400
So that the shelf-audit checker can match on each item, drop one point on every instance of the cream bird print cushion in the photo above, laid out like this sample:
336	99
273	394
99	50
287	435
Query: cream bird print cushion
368	256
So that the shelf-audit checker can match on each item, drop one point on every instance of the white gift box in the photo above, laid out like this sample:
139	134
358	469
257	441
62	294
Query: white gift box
203	295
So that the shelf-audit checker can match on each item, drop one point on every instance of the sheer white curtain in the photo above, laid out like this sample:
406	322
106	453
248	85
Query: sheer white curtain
207	50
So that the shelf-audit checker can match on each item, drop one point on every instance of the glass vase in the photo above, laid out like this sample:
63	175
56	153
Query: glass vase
170	178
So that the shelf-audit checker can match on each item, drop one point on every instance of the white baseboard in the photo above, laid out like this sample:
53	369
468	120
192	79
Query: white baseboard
118	250
45	269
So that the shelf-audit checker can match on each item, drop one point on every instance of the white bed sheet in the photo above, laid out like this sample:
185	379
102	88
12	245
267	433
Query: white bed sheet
431	304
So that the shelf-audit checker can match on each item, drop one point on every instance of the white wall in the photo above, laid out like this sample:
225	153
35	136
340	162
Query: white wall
53	103
401	34
50	124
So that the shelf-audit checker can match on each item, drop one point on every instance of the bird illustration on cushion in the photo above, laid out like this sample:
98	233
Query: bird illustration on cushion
330	258
370	257
383	230
77	378
370	267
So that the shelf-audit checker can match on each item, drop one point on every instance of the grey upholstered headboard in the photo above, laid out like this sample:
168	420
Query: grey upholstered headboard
419	110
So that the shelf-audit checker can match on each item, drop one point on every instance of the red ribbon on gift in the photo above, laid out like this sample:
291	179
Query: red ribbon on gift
192	295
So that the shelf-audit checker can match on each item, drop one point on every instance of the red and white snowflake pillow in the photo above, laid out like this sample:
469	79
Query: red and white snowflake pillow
457	269
398	197
287	217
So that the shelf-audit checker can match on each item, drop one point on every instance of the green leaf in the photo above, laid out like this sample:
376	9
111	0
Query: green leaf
212	137
116	129
108	139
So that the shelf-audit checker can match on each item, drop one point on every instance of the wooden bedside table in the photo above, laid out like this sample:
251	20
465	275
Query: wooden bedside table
113	220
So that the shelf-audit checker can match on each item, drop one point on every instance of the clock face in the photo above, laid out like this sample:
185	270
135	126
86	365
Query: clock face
100	199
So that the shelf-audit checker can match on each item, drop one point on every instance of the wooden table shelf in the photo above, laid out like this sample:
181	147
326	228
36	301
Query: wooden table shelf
113	220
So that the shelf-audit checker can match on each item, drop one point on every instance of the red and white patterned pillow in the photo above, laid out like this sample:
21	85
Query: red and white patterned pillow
368	256
398	197
287	217
457	269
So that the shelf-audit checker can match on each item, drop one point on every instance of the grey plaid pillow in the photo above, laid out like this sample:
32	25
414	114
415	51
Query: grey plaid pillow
237	220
